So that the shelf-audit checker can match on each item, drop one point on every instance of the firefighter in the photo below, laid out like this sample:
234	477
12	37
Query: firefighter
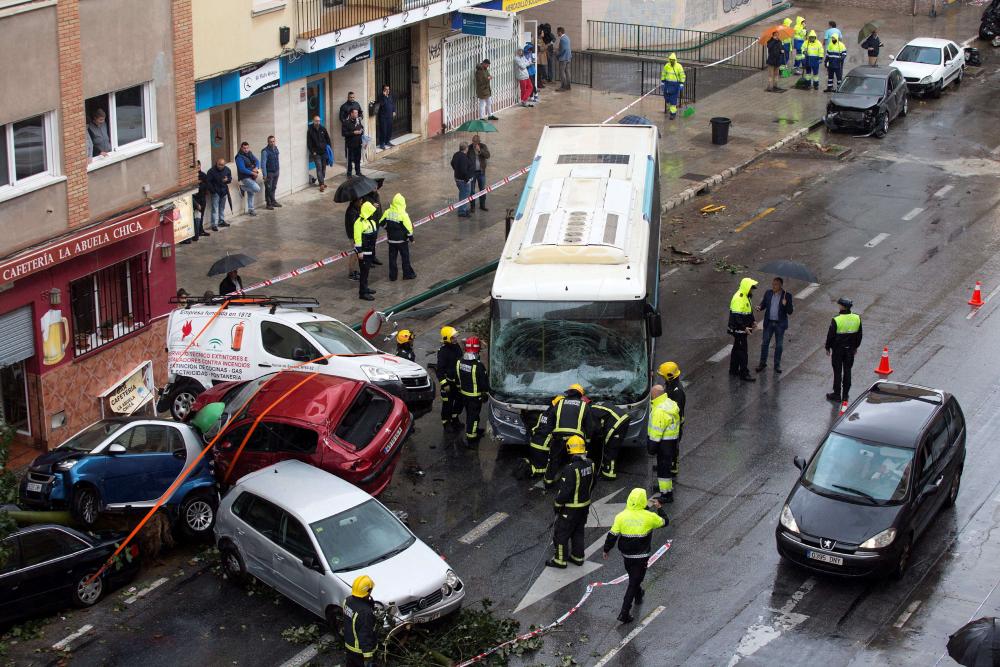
612	423
541	433
473	386
842	340
662	432
572	502
671	374
632	531
672	79
447	357
360	624
404	345
570	416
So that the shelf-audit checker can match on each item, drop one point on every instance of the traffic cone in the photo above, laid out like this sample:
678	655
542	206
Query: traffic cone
977	295
843	407
883	365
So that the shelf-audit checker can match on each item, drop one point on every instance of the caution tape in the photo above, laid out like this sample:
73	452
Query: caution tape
591	587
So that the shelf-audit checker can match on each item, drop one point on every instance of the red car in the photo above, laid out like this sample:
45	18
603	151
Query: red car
349	428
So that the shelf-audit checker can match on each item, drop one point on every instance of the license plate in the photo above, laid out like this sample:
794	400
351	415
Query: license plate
34	487
825	558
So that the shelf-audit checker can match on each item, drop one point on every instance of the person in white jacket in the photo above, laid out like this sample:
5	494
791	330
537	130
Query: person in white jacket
521	73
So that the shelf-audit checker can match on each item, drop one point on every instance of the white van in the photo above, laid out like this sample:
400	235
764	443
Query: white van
259	335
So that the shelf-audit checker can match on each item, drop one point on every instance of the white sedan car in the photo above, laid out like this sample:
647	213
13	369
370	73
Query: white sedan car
929	65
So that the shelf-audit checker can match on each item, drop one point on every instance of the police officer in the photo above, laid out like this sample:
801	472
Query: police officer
570	416
662	431
843	338
672	79
404	345
448	355
836	56
671	374
632	531
611	423
474	387
365	233
741	324
360	624
572	503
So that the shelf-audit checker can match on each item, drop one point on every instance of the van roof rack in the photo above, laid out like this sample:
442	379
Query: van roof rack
261	300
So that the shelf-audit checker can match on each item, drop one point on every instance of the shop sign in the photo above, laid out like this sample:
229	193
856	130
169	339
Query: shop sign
521	5
353	52
487	25
259	78
132	391
183	219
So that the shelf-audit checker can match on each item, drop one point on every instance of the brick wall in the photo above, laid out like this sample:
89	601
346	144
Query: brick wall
184	90
72	114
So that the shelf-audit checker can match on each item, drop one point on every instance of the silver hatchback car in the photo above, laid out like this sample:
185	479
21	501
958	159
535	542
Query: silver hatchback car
308	535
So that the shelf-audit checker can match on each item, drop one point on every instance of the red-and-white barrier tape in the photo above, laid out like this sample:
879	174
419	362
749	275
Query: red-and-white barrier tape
562	619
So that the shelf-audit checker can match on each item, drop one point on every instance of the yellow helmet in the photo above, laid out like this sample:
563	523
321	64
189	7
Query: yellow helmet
576	445
669	370
672	57
362	586
404	336
812	33
448	334
578	388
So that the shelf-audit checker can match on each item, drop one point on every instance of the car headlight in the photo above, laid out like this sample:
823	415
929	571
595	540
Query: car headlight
880	541
451	578
66	464
376	374
926	79
788	521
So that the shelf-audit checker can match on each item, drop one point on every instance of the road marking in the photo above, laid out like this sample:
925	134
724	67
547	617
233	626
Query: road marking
153	586
914	213
905	616
486	526
721	354
763	214
761	634
602	512
670	272
711	246
875	241
943	191
629	637
552	579
969	41
989	296
64	643
844	263
806	291
308	653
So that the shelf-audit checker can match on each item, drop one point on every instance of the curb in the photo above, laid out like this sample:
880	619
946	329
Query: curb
691	192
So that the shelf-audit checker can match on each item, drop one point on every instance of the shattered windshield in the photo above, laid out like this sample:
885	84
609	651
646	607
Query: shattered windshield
538	348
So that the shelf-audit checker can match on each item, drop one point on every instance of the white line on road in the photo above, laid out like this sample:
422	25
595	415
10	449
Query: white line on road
629	637
721	354
761	634
671	272
943	191
64	643
844	263
914	213
156	584
806	291
969	41
875	241
486	526
308	653
989	296
711	246
905	616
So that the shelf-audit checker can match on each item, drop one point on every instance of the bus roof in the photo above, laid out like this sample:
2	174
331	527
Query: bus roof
581	232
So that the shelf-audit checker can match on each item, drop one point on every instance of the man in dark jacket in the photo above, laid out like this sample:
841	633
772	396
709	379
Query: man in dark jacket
386	112
448	356
345	113
231	283
317	139
572	504
478	154
462	166
843	339
776	306
353	132
484	90
247	170
775	57
360	624
217	181
198	202
873	45
269	168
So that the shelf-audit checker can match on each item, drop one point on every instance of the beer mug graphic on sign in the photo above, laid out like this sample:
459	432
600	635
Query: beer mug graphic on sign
55	336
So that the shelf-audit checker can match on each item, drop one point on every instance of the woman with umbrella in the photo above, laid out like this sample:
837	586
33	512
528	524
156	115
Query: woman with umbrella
229	265
775	55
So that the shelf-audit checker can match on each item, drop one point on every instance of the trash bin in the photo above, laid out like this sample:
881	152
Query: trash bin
720	130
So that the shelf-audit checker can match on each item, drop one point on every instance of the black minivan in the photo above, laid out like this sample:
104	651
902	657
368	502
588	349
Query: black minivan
886	467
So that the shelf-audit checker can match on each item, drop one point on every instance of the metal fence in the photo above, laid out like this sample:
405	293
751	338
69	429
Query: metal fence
318	17
690	45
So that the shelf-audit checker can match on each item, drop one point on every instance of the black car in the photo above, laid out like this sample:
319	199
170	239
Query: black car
869	98
875	483
48	567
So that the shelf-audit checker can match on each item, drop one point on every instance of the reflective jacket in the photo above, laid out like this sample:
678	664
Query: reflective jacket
813	49
473	379
610	421
359	626
788	24
365	230
664	419
674	72
571	416
397	221
844	332
740	308
575	482
800	29
836	53
448	354
633	527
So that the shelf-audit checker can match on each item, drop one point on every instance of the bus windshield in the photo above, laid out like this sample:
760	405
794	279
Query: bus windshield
539	348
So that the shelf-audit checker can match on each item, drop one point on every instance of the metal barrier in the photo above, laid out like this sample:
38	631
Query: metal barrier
690	45
650	77
581	69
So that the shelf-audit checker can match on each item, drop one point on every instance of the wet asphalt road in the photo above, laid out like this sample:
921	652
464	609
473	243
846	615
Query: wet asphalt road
727	597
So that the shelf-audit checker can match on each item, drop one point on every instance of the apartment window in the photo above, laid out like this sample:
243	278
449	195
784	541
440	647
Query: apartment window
26	151
120	121
109	304
221	128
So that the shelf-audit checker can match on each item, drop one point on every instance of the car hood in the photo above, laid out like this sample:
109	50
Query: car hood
839	520
394	364
49	459
850	101
410	575
918	70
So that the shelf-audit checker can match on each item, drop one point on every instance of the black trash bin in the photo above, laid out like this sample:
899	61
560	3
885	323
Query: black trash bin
720	130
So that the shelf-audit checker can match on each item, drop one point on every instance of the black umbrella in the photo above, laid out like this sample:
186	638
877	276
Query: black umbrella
789	269
976	644
230	263
353	188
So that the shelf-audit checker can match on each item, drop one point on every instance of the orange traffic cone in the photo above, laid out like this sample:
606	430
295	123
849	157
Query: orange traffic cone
883	365
977	295
843	407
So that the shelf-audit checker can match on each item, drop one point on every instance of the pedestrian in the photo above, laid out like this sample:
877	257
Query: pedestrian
672	79
399	233
570	415
564	55
612	422
544	41
786	46
320	147
530	56
776	305
662	432
814	56
832	31
473	383
461	165
550	53
404	345
836	56
350	215
360	624
843	339
521	74
448	356
270	167
572	505
741	325
386	113
344	113
98	135
247	171
873	45
775	59
199	200
353	132
632	531
218	179
799	40
479	155
673	388
232	283
484	90
365	233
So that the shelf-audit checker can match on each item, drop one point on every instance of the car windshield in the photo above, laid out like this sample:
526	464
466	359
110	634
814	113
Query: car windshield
361	536
925	55
337	338
862	471
539	348
862	85
237	397
92	436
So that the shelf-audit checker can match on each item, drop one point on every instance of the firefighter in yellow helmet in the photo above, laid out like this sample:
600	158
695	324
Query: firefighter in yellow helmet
570	414
447	357
572	503
360	624
404	345
672	79
671	374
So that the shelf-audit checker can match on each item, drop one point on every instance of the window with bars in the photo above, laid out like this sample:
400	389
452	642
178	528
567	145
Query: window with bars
109	304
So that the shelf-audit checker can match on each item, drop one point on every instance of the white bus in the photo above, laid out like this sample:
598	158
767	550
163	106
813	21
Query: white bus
575	295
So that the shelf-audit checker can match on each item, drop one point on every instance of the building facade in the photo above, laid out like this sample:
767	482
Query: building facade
97	164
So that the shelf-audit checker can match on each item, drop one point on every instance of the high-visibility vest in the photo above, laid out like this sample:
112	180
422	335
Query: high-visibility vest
673	73
664	419
847	323
814	49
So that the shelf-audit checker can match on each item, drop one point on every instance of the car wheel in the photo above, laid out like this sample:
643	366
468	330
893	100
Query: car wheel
233	566
936	89
953	490
334	618
882	125
180	400
86	593
198	514
86	505
905	109
961	75
903	559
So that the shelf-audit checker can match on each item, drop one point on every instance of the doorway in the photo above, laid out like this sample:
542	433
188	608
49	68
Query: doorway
392	66
316	106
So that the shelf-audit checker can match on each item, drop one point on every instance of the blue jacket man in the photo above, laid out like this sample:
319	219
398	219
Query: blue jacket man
270	166
247	169
564	55
776	306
